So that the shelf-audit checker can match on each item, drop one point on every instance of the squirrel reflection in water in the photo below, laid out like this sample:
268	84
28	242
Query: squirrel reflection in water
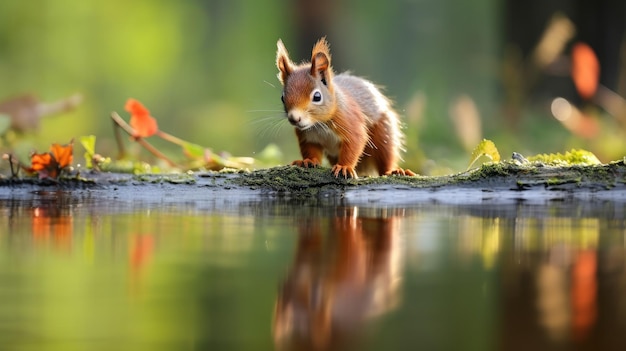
346	270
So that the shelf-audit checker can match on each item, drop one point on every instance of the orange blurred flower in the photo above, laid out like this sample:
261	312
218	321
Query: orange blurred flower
585	70
140	119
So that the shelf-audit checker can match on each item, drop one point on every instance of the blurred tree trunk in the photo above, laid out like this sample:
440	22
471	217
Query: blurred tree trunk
313	20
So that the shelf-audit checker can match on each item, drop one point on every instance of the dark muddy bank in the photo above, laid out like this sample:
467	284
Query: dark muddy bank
492	184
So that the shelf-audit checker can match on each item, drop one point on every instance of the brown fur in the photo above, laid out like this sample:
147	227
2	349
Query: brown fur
343	117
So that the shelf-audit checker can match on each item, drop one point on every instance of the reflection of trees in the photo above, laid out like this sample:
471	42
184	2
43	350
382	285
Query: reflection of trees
345	270
566	295
559	284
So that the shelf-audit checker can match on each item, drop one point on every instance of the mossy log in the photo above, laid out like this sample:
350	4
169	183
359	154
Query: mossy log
495	182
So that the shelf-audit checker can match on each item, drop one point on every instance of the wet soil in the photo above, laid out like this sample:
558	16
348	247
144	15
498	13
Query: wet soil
500	183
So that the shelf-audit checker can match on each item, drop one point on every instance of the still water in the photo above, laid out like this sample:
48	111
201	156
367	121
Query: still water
80	273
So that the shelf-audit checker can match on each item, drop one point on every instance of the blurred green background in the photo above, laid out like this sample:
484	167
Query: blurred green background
458	70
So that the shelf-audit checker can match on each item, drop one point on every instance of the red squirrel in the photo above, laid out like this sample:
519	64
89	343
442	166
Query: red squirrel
341	116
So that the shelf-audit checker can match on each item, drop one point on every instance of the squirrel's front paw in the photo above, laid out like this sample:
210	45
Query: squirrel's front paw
346	171
400	171
306	163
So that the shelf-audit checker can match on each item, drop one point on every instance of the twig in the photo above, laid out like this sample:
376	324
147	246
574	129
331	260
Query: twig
118	139
128	129
172	139
13	163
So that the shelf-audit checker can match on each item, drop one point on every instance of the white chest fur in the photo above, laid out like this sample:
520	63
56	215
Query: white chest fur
322	134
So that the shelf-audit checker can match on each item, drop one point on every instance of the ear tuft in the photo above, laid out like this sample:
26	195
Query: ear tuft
320	61
321	46
284	64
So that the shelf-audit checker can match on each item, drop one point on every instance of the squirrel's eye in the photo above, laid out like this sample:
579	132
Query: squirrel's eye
316	96
282	97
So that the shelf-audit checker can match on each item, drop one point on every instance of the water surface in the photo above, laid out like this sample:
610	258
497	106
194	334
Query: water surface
79	272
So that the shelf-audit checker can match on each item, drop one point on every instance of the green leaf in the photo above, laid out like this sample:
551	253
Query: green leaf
89	144
485	148
5	123
193	150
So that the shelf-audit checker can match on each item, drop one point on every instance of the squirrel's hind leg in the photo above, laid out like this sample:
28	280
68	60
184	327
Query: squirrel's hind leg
383	147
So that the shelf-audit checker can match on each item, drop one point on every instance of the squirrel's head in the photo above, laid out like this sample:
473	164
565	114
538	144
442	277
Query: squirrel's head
308	94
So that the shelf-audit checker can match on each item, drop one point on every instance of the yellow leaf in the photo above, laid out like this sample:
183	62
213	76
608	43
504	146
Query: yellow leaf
89	144
485	148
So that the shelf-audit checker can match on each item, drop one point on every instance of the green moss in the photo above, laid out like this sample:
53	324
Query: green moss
511	174
174	178
561	181
314	180
292	179
572	157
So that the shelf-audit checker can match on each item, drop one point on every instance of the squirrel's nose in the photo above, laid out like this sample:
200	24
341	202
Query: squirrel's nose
293	119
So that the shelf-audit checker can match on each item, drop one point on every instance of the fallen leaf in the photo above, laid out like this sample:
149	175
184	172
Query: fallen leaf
485	148
40	162
50	164
63	154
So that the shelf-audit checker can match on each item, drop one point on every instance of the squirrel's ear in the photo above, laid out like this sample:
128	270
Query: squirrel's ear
285	67
320	61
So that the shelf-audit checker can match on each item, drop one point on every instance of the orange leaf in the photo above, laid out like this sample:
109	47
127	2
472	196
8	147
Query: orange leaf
50	164
140	119
62	154
40	162
585	70
45	165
